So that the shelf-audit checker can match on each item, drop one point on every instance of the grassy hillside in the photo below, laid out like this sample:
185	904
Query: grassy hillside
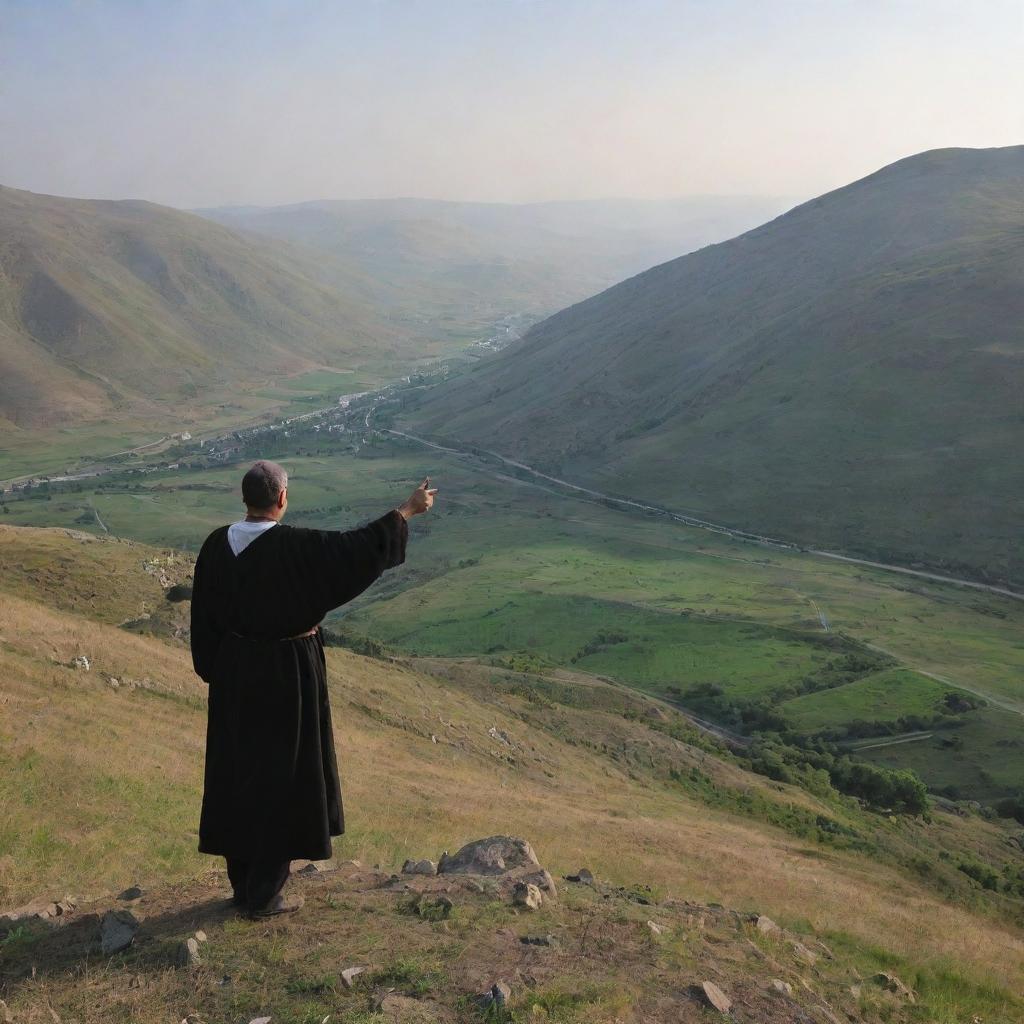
460	265
100	789
848	375
124	307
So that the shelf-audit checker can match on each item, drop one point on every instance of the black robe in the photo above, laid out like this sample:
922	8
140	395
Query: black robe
272	790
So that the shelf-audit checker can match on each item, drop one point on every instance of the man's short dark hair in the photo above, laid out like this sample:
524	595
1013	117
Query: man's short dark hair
263	484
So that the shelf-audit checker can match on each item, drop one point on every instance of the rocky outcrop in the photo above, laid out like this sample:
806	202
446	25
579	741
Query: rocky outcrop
494	856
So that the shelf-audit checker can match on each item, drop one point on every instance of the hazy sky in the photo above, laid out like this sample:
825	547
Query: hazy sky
191	103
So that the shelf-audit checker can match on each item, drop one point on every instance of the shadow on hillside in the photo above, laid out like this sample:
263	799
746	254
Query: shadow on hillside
37	948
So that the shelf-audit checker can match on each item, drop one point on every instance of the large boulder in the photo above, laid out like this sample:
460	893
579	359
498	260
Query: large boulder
494	856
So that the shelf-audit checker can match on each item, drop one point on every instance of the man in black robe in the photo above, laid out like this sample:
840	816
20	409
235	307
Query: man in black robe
271	792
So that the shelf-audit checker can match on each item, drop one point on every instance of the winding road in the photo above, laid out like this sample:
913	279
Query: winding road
703	524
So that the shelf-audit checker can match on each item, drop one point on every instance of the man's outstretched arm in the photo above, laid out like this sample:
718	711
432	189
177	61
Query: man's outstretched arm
355	558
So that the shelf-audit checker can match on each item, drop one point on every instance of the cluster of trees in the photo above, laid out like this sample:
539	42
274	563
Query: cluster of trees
818	766
812	762
606	638
1012	807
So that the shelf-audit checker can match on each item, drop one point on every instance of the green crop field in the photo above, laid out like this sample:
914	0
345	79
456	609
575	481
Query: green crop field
504	569
881	696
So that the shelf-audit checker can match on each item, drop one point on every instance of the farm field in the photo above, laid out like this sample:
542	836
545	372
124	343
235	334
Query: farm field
882	696
514	573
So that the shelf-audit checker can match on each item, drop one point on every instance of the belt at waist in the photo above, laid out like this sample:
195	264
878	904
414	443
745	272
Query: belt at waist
275	639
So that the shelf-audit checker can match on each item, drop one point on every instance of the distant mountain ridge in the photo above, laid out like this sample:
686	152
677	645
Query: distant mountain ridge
106	305
109	306
849	374
467	261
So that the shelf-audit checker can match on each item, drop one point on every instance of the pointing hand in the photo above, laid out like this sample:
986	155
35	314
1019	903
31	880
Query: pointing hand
420	501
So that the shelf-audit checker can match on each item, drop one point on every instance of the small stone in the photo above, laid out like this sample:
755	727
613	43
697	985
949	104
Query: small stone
498	994
349	975
419	867
583	875
855	991
260	1020
5	1014
716	997
527	895
766	925
538	940
308	869
131	893
81	662
472	885
543	880
801	952
200	936
893	984
187	954
782	987
656	928
117	931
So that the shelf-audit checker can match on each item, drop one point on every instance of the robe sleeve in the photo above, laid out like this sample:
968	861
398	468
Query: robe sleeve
354	559
204	636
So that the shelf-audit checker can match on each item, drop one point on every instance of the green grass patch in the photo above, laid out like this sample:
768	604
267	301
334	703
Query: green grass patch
882	696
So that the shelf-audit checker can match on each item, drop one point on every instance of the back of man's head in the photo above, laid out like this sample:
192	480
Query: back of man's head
263	484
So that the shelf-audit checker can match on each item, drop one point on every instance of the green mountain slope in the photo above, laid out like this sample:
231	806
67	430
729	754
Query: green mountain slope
850	374
110	306
460	263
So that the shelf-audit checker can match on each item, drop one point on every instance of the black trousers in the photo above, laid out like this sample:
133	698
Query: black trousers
256	882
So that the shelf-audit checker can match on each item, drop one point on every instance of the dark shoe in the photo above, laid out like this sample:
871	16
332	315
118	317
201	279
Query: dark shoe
280	904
